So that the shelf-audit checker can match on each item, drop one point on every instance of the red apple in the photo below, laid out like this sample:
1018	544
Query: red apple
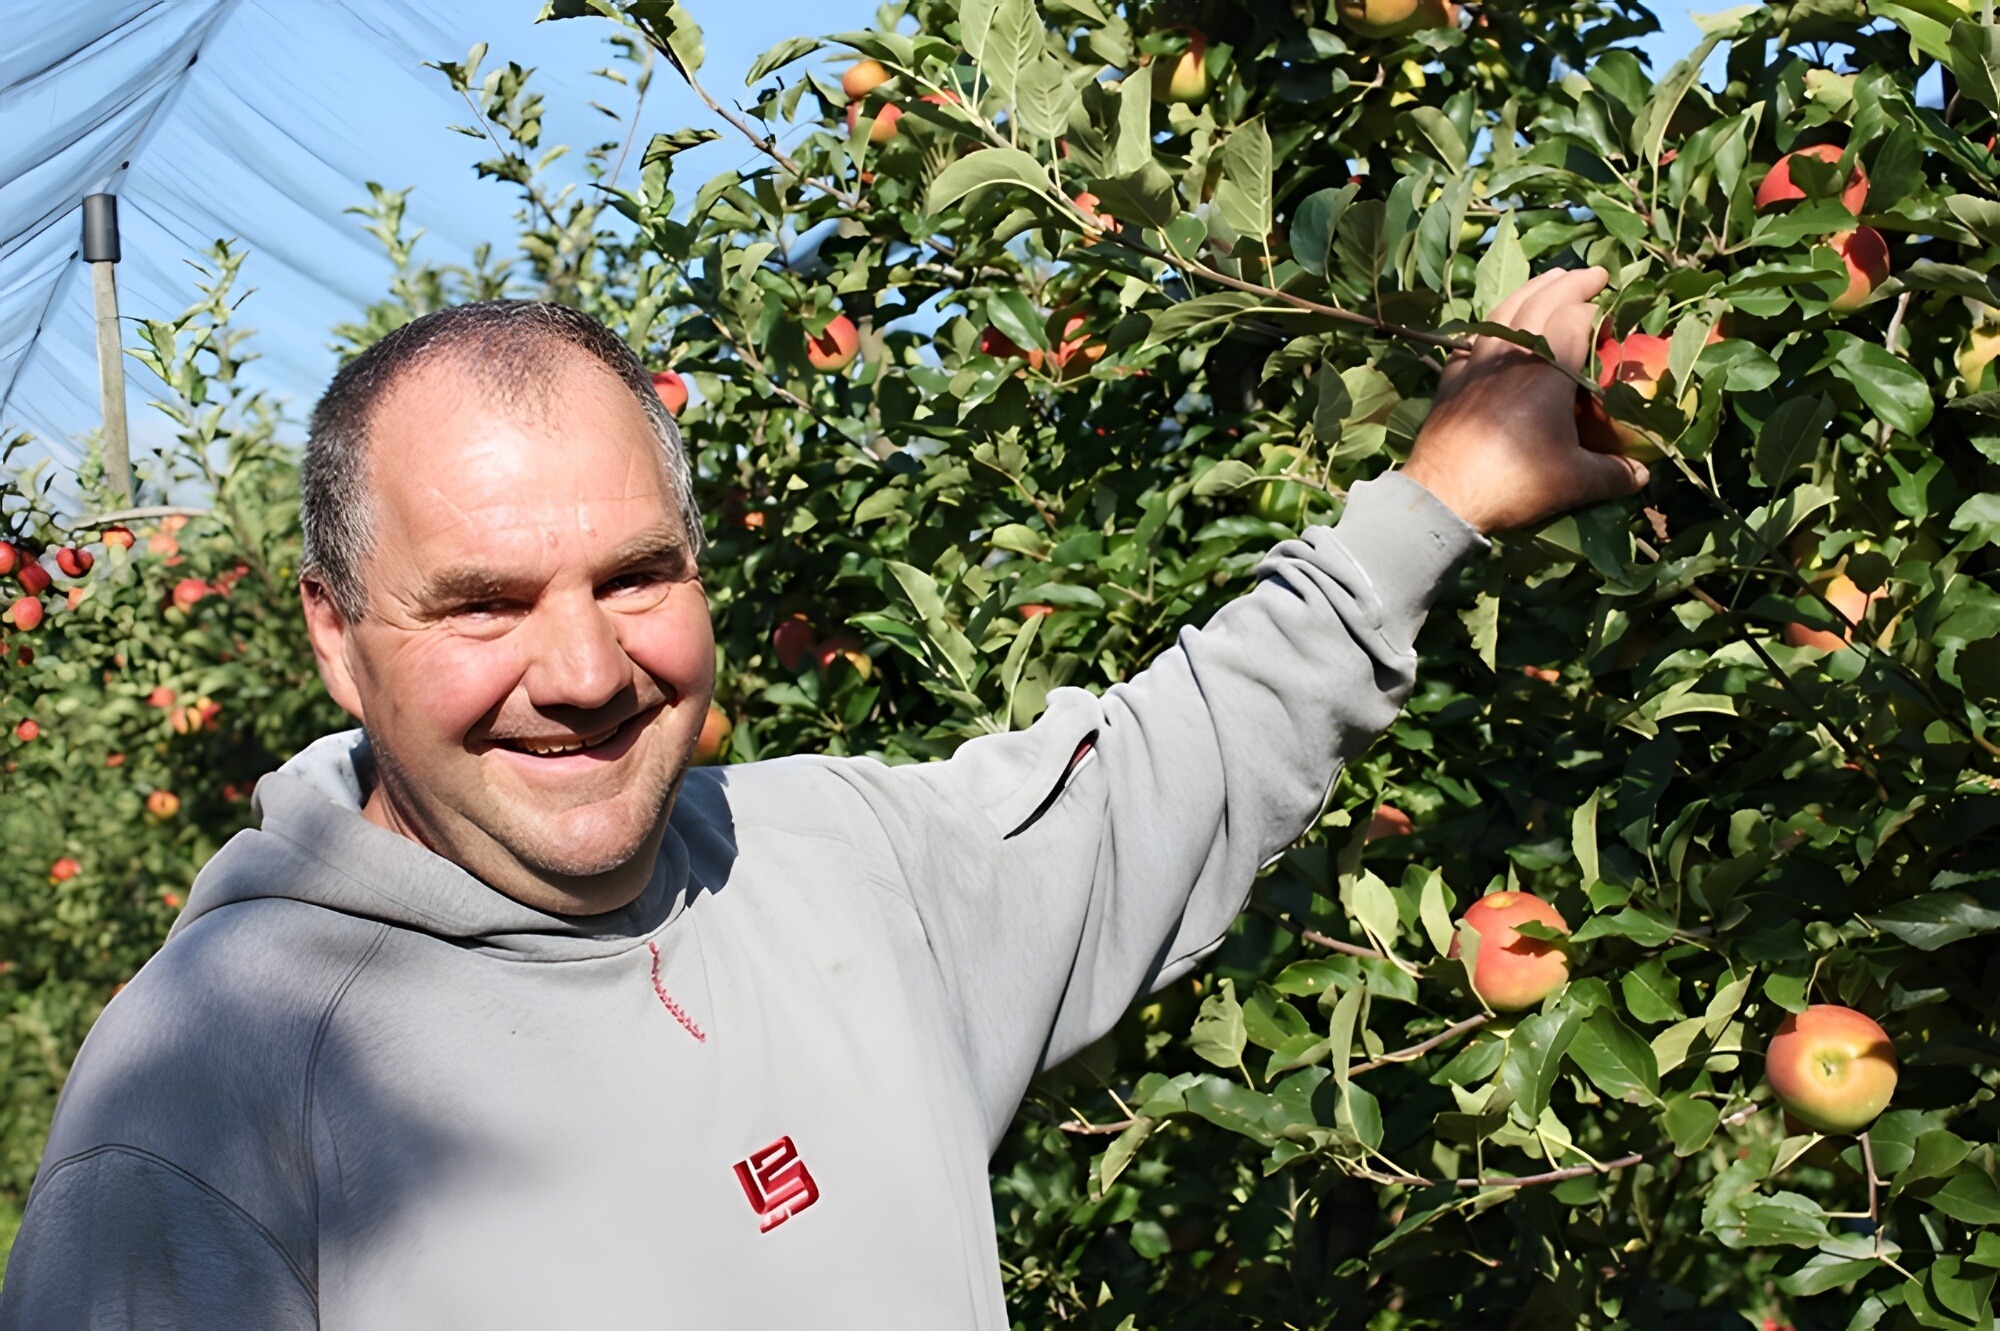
1866	255
993	342
64	869
829	650
884	126
1845	597
1832	1068
161	697
1777	186
1640	360
1514	972
1389	821
28	731
1087	204
163	804
10	558
863	77
1035	611
26	614
1076	352
672	390
34	578
836	347
791	642
715	731
118	537
189	591
74	562
1183	78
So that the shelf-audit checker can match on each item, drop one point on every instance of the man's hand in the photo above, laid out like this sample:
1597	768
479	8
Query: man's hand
1500	447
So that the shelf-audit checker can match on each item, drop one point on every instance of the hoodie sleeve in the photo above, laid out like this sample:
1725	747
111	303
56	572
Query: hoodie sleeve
1063	870
118	1238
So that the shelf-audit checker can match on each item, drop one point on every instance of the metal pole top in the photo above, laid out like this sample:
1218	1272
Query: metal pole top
100	228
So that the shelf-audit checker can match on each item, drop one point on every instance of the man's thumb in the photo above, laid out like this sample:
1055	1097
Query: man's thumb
1610	476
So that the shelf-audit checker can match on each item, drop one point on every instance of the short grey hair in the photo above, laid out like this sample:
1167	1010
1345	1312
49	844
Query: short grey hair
514	348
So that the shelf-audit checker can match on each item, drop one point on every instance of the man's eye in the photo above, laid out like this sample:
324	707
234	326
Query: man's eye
631	582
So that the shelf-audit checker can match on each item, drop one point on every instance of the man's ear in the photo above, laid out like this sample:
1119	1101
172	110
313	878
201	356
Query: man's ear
328	630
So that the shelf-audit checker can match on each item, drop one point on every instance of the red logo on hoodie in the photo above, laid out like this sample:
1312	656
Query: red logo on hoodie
777	1183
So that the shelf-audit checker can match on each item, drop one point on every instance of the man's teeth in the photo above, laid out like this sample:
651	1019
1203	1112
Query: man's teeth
549	748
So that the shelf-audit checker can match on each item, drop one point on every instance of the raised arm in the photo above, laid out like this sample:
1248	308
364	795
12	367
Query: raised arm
1062	871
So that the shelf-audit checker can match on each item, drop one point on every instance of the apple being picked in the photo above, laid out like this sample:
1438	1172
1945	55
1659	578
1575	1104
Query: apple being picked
1514	972
1640	360
1832	1068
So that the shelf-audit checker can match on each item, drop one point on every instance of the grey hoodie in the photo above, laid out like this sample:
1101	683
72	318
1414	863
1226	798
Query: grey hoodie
360	1089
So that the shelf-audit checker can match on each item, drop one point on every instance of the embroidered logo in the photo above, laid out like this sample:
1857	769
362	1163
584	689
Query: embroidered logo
777	1183
675	1010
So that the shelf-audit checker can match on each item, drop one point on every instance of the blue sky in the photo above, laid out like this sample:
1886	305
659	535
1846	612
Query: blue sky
293	105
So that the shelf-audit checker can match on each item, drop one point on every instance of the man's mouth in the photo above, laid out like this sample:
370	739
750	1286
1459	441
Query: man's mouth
555	745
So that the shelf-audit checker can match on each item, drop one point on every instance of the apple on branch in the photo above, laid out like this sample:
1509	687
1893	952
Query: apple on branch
1832	1068
1513	972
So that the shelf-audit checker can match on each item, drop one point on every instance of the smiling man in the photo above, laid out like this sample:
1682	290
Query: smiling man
506	1018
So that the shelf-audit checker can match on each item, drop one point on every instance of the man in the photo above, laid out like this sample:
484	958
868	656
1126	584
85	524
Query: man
506	1018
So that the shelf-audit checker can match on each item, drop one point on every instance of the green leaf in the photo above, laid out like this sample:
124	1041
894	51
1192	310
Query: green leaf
1755	1221
1501	269
1825	1271
1443	136
1971	1196
1979	518
1145	196
1200	316
779	56
1651	991
1132	147
1340	1031
1369	900
1434	911
1219	1034
1482	626
981	170
1243	195
1791	436
1647	930
1235	1108
1315	224
1044	98
1005	39
1123	1149
1535	1049
1893	389
1974	57
1615	1059
1690	1123
1931	921
670	28
1583	838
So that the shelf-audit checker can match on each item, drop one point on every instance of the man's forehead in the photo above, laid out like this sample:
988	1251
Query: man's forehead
465	425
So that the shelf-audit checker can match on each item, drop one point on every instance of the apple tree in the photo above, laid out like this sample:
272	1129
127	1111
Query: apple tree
1027	330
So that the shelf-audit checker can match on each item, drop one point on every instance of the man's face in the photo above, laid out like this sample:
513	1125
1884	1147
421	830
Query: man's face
536	657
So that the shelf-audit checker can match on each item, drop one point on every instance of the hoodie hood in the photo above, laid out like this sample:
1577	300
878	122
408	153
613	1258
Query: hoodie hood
313	845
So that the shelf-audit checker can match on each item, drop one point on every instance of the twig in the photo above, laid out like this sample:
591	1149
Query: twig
112	519
1557	1175
1317	938
1417	1050
1422	1047
764	143
1874	1207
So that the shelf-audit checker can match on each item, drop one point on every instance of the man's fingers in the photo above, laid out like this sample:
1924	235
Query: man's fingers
1568	291
1569	331
1509	309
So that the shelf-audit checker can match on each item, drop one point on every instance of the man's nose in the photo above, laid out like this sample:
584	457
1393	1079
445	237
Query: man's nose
579	661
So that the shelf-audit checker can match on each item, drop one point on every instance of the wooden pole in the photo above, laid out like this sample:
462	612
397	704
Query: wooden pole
100	250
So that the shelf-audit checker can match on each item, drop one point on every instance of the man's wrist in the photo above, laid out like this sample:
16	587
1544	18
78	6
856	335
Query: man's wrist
1445	489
